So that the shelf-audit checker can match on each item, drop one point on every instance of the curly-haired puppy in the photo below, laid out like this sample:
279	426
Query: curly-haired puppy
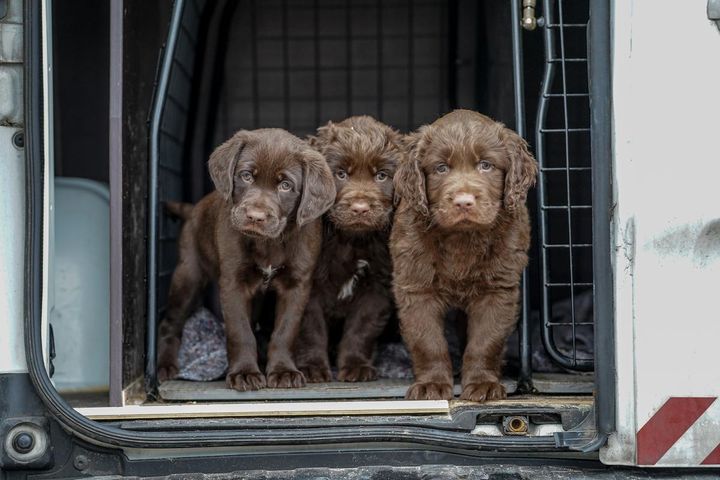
260	229
353	276
460	239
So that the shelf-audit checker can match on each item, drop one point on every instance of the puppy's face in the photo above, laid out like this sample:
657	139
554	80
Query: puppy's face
271	178
465	170
362	154
465	182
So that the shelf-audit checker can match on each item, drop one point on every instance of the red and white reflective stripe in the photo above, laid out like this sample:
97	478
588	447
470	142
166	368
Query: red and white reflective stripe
684	431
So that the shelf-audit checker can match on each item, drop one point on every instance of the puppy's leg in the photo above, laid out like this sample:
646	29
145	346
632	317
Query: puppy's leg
187	282
491	319
421	325
368	317
281	370
311	346
236	300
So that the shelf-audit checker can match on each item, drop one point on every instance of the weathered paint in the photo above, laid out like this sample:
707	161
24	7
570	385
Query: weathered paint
12	253
666	112
678	426
12	193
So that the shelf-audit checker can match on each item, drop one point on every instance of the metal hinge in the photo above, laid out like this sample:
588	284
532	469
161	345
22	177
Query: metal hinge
529	22
713	11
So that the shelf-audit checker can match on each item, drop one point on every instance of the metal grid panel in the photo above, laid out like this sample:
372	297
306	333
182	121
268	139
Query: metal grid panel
297	64
565	188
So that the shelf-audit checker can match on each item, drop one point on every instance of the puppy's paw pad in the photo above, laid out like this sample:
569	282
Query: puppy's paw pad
430	391
167	372
245	381
285	379
359	373
314	374
483	392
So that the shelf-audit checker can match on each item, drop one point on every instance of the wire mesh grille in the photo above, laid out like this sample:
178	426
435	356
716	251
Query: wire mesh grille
565	187
299	63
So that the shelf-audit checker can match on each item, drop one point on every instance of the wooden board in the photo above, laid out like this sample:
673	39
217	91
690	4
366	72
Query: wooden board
269	409
182	390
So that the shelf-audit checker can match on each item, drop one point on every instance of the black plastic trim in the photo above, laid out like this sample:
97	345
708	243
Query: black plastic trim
600	64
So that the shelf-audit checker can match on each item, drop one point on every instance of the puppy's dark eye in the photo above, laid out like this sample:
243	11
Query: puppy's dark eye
381	176
247	176
285	186
341	174
442	168
485	166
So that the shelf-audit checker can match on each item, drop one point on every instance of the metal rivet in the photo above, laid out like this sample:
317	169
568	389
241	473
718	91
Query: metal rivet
23	442
19	140
81	462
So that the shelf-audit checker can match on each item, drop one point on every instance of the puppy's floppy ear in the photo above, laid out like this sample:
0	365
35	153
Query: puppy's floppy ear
223	160
318	192
409	179
522	171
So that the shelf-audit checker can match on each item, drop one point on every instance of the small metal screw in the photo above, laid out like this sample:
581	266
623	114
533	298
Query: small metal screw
81	462
23	442
19	139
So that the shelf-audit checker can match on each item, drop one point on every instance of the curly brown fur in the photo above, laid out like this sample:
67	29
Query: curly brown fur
259	229
352	279
460	239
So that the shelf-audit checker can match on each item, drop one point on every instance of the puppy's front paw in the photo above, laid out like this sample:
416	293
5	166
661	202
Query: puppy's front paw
166	372
245	381
357	373
483	392
316	374
430	391
285	379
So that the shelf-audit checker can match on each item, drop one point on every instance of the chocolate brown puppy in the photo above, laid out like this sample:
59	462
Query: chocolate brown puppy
260	229
460	239
352	280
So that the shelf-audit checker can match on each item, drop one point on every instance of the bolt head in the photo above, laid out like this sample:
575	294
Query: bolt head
81	462
18	139
23	442
529	23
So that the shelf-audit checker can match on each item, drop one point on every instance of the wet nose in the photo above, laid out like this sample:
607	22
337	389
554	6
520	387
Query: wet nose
360	207
255	216
464	200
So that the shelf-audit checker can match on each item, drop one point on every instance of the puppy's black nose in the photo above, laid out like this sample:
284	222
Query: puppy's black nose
464	200
256	216
360	207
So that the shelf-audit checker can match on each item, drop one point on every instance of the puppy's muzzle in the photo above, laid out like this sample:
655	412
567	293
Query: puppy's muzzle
464	201
256	220
255	216
360	207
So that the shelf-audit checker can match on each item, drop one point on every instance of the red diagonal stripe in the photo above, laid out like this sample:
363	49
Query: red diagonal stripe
667	426
713	458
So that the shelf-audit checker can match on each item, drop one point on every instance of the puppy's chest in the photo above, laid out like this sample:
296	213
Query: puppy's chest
266	262
351	268
463	262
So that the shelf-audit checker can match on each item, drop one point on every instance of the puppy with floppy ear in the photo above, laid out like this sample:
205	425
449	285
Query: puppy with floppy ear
351	285
460	239
260	229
